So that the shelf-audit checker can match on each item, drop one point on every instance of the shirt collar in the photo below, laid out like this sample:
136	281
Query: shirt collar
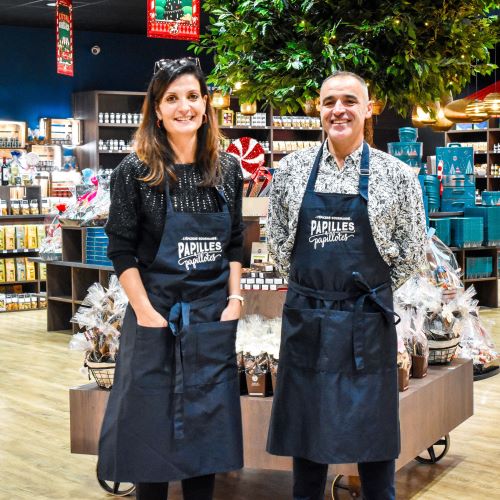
352	160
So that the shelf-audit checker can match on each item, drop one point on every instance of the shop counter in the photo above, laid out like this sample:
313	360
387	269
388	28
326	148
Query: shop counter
431	408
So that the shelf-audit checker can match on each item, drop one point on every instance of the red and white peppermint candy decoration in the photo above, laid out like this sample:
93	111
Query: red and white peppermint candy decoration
250	153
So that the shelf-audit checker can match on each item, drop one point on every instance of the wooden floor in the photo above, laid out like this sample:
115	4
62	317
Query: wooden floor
36	370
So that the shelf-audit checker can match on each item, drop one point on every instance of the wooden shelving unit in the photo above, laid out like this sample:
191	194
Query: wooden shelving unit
271	133
491	136
486	288
86	107
29	192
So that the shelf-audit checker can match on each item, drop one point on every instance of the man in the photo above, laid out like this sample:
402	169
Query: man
346	223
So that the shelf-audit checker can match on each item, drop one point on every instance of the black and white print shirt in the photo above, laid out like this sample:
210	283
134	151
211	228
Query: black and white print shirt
395	206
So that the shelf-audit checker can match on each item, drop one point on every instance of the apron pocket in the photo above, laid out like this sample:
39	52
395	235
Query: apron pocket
301	334
370	340
215	355
152	359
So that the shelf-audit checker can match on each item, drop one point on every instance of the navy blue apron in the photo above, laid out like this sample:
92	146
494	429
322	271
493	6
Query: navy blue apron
336	399
174	409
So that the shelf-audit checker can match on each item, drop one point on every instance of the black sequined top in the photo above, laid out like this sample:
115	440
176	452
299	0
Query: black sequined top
137	211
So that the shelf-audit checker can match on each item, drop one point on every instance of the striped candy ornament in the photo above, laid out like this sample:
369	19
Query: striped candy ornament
250	153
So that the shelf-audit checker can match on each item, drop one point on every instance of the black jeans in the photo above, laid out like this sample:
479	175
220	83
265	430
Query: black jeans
194	488
377	480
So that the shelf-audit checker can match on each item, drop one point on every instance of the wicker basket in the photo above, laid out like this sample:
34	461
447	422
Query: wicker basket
103	373
441	352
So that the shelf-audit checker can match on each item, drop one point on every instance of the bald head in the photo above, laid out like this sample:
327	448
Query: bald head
349	74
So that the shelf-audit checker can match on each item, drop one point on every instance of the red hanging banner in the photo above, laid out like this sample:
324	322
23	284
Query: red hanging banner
64	37
176	19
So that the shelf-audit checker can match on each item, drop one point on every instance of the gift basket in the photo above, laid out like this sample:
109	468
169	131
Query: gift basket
51	246
91	208
435	304
100	318
257	345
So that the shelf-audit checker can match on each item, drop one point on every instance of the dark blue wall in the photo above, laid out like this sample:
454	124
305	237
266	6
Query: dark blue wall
31	89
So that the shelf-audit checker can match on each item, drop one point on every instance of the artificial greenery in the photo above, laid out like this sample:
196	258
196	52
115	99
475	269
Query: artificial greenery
410	51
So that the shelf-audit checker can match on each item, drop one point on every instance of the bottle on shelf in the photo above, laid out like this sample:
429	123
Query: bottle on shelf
5	172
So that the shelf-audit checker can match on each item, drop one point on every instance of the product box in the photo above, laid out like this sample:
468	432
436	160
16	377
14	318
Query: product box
21	269
3	207
464	126
2	238
10	270
259	253
30	270
481	126
15	207
34	301
31	236
25	207
20	237
2	270
10	237
42	269
40	234
34	208
3	305
45	206
456	159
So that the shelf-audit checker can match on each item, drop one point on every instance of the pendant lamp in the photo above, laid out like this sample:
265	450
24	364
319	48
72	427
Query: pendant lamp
428	117
492	103
248	108
442	123
476	111
220	100
455	111
311	107
378	105
414	118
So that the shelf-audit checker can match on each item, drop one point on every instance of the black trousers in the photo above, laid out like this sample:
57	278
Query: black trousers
194	488
377	480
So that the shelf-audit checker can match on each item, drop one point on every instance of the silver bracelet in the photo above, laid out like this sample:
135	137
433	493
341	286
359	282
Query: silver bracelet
237	297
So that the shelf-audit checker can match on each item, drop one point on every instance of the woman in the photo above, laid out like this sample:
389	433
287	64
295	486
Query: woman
175	239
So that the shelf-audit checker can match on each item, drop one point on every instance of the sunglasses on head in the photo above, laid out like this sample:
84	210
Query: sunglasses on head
163	63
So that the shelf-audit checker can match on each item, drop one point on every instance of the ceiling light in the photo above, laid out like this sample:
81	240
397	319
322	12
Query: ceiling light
51	4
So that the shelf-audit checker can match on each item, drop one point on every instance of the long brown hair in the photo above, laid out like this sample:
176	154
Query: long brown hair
151	142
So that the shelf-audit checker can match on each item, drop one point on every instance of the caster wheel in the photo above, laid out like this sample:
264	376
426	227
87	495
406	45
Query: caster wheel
351	490
116	489
436	452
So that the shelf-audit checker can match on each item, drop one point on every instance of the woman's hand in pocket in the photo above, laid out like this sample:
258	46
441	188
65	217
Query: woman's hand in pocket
232	310
151	318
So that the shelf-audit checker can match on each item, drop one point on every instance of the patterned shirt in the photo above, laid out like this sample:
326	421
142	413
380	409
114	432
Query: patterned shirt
395	206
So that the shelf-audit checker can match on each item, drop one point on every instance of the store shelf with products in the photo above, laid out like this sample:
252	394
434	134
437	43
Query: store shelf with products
487	287
95	109
484	141
20	238
280	136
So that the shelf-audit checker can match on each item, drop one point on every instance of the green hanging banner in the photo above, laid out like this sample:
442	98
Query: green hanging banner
177	19
64	38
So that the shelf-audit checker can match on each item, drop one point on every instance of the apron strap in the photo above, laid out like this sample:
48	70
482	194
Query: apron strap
357	331
178	319
321	294
364	170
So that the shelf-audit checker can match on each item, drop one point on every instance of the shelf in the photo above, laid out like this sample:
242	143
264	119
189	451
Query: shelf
24	310
115	152
19	250
313	129
243	127
472	280
457	249
440	215
27	217
468	131
119	125
62	298
64	263
494	152
18	282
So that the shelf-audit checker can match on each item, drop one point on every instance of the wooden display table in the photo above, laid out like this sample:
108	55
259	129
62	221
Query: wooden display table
429	409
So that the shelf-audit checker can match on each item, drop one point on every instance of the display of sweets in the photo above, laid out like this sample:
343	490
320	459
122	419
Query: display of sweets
120	118
110	145
296	122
